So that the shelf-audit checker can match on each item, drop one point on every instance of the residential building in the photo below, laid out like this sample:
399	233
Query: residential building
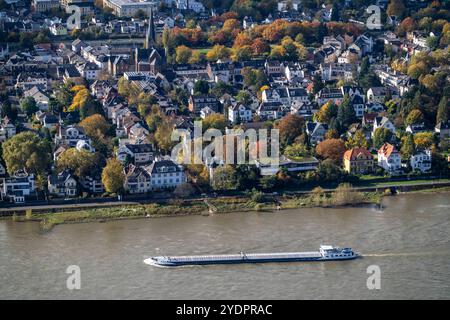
238	113
383	122
40	97
443	129
18	186
44	5
389	158
421	161
316	131
197	103
271	110
62	184
128	8
358	161
70	135
139	153
7	129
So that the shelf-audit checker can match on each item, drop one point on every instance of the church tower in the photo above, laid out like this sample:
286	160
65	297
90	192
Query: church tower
150	38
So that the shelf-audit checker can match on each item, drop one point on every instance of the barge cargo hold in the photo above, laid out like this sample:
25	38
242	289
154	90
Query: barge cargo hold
325	253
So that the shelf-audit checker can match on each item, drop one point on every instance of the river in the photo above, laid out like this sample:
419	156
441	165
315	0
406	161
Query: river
409	242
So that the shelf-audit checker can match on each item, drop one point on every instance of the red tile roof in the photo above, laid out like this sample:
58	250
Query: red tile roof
387	149
354	153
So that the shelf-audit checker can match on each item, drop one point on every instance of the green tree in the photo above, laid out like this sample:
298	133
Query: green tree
408	147
247	176
28	105
380	136
357	140
81	163
224	178
113	176
26	151
244	97
443	110
201	87
346	113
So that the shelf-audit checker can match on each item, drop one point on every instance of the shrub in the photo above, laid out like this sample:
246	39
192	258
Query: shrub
345	194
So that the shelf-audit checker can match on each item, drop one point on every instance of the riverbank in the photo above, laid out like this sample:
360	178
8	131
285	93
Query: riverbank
341	197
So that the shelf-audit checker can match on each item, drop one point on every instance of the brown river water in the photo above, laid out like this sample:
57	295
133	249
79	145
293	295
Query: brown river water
408	240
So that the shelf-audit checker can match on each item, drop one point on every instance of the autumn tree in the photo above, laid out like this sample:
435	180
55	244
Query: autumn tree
357	140
414	117
290	128
163	135
328	111
254	78
331	149
218	52
80	162
183	54
396	8
215	120
26	151
260	47
424	140
95	125
83	102
97	128
113	176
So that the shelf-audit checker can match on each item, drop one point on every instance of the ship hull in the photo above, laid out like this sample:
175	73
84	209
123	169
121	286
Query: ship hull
241	261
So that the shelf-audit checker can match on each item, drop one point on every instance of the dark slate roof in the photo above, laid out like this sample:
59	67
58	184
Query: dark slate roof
139	148
162	166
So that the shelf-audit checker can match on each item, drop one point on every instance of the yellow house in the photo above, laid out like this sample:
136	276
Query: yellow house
358	161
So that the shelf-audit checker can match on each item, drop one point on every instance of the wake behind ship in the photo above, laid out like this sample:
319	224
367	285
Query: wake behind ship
325	253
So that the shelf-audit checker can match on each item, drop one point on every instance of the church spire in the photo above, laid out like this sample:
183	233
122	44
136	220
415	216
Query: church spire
150	37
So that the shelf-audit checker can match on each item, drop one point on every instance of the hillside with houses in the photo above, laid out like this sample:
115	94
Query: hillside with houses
88	112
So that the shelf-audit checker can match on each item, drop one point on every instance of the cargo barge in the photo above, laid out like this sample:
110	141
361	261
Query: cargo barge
325	253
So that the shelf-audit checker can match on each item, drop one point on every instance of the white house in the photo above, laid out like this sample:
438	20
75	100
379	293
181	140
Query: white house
421	161
70	135
62	184
58	29
389	158
42	100
160	175
141	153
206	111
238	113
7	129
316	131
18	186
166	174
383	122
84	145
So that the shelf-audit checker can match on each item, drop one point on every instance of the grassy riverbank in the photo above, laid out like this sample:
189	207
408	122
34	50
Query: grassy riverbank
342	196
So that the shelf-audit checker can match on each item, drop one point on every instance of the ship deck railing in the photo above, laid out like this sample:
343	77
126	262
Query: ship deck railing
243	256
